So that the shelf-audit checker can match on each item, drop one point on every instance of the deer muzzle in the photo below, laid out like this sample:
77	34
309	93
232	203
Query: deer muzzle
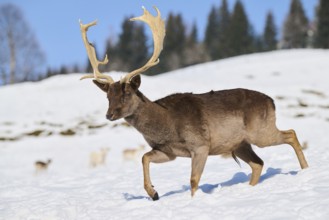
110	117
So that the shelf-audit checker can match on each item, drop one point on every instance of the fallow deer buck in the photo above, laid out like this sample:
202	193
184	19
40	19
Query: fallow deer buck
223	122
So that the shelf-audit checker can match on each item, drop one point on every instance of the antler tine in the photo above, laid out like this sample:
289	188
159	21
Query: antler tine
93	58
157	26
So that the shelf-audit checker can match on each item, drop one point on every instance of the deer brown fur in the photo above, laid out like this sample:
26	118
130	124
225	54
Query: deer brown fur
223	122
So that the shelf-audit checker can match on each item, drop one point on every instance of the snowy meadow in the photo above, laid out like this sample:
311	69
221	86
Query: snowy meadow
63	119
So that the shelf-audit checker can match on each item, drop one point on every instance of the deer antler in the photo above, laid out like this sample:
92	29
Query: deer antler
157	26
93	58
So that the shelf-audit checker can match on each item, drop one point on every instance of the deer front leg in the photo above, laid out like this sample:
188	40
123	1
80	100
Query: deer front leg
198	162
154	156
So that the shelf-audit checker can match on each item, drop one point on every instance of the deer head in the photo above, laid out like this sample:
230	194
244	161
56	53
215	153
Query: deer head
123	95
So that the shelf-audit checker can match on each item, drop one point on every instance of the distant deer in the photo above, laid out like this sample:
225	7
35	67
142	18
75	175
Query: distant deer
98	157
41	166
132	154
223	122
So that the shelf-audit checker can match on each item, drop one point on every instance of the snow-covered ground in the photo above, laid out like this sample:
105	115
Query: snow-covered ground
63	119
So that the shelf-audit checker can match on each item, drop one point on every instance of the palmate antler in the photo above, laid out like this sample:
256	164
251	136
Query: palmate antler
157	26
92	57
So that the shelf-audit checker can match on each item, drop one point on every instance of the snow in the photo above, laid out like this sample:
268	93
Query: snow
63	119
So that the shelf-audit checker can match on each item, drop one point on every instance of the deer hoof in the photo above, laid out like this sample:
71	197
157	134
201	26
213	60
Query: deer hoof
155	197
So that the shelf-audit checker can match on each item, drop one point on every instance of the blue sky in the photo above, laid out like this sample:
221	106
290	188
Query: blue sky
55	22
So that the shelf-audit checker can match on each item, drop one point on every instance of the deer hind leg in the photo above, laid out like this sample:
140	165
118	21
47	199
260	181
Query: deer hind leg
198	164
290	137
154	156
271	137
245	153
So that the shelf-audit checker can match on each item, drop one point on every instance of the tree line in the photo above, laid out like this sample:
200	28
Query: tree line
20	53
228	33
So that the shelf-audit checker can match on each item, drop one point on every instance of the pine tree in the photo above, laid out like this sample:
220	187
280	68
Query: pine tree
258	44
240	33
211	34
114	61
223	48
295	27
131	49
63	70
269	35
172	56
194	51
192	38
140	50
175	37
76	69
125	47
322	35
50	72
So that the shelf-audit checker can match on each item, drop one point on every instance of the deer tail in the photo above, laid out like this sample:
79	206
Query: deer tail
236	159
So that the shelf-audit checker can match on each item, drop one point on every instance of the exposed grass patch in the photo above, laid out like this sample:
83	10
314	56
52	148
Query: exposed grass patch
280	97
300	115
45	128
9	138
314	92
96	126
35	133
68	132
302	104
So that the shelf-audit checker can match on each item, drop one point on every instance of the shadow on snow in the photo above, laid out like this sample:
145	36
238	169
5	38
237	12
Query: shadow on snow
239	177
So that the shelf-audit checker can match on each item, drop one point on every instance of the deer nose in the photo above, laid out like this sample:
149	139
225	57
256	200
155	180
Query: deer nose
110	116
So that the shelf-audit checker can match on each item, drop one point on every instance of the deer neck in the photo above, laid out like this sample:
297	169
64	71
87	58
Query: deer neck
150	119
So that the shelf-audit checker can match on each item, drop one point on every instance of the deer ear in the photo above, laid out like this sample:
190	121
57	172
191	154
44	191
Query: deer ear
102	86
135	82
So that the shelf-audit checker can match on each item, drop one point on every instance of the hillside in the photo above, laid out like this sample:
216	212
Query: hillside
63	119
